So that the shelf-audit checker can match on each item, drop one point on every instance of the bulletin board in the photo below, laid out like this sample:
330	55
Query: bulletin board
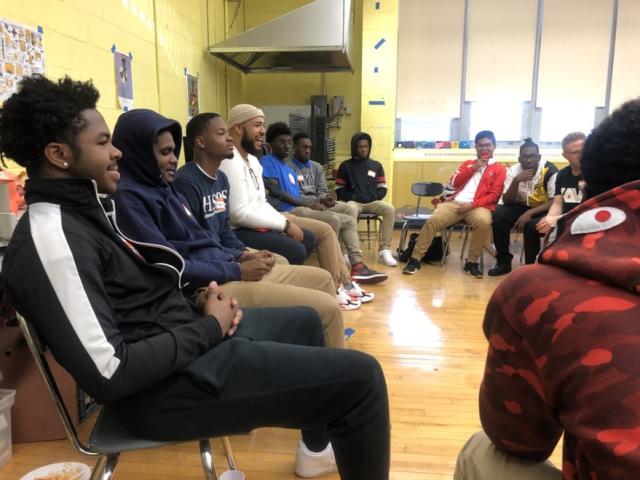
21	55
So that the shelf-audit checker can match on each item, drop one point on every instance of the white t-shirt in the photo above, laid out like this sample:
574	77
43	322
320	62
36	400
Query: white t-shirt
468	192
248	206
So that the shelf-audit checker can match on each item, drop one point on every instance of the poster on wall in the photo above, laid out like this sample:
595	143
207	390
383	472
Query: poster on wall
21	55
124	79
193	94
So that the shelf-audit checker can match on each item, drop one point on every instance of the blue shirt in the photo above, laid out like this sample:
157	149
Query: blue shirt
273	168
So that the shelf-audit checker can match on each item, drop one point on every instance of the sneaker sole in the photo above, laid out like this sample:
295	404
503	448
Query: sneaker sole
473	276
363	299
406	272
369	280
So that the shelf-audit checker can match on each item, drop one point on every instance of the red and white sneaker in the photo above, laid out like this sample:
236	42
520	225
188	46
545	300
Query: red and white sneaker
356	292
345	301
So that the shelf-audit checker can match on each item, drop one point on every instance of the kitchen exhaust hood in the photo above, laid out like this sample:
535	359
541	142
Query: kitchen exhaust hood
313	38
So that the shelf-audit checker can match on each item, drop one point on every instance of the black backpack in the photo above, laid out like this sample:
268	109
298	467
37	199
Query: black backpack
434	254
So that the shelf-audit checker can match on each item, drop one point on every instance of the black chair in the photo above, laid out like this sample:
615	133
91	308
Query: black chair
417	220
109	437
369	217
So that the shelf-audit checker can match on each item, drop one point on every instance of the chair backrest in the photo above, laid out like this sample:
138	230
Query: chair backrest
38	348
426	189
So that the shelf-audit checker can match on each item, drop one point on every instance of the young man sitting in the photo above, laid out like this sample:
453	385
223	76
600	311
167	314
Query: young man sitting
255	222
254	216
150	210
563	358
361	182
113	315
473	193
570	186
284	185
343	217
528	193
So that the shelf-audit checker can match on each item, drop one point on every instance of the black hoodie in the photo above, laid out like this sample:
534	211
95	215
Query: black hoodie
360	179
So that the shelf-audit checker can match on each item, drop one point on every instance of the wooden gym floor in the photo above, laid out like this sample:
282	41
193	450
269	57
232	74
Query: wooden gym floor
426	332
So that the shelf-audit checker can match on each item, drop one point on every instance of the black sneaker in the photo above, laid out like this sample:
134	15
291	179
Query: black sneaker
472	269
363	274
500	269
412	267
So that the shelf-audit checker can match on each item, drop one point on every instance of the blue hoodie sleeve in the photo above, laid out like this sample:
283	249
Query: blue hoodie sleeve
137	221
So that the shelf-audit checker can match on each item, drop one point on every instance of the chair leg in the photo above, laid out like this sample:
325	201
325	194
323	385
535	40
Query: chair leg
464	242
228	451
369	233
446	236
206	457
105	466
98	468
403	236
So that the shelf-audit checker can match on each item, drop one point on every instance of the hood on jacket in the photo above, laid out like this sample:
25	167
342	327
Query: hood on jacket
599	238
354	142
134	135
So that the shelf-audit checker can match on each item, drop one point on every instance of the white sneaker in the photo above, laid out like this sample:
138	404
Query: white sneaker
358	293
345	301
313	464
385	257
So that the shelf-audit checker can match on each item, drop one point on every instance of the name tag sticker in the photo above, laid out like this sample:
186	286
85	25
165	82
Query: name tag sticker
292	179
371	173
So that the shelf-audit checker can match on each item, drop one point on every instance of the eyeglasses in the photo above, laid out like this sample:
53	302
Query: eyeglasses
484	146
575	152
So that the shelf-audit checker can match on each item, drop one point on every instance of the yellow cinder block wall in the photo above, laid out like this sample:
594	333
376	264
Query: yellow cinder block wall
163	36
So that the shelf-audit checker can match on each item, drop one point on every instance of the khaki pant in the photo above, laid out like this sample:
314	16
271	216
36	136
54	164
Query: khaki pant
343	219
280	260
388	214
292	286
446	214
479	459
329	254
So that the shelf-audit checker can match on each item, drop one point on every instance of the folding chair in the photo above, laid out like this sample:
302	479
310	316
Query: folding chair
417	220
464	229
369	217
109	437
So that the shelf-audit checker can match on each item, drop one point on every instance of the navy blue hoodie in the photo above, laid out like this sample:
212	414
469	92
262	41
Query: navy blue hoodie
150	210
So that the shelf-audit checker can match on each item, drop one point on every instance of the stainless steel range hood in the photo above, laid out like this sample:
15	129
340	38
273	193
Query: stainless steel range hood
313	38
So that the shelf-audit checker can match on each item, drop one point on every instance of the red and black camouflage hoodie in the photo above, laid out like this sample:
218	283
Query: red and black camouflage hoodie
564	345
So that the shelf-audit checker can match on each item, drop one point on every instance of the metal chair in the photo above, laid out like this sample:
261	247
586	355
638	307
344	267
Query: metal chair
109	437
368	217
417	220
464	229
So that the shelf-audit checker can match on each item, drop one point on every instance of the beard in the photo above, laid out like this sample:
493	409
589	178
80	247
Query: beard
248	145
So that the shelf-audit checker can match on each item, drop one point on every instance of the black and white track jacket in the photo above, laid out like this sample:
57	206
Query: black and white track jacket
116	322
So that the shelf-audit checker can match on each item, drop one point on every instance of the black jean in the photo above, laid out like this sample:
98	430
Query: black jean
294	251
274	373
504	218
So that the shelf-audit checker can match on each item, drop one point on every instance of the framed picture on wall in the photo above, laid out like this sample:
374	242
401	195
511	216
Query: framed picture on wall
124	79
193	94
